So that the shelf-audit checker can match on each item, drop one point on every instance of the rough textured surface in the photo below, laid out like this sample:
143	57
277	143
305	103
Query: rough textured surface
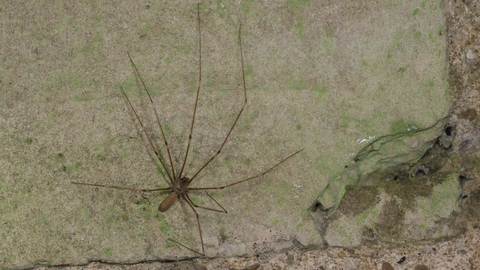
458	253
387	158
397	212
65	120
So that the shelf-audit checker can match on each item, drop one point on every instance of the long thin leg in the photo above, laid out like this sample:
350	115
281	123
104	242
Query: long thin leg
249	178
180	244
207	208
149	139
190	203
238	116
156	115
122	188
198	90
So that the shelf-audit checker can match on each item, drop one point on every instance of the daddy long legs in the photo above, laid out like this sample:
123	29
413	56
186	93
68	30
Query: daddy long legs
179	183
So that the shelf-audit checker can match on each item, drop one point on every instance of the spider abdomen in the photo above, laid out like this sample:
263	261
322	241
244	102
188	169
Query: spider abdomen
168	201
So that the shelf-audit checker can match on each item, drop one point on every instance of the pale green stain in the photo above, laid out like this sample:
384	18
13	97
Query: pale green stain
153	90
196	199
169	59
190	239
112	216
342	230
193	84
28	140
59	7
300	84
300	28
109	106
396	38
108	251
329	41
169	244
165	228
84	212
360	219
146	208
209	82
296	6
182	48
83	97
320	89
167	128
281	201
401	126
284	187
274	221
64	79
247	5
59	157
221	9
146	30
443	198
374	214
222	231
43	220
430	82
422	4
80	49
37	122
123	154
441	31
97	38
248	70
296	84
402	70
129	86
370	124
324	166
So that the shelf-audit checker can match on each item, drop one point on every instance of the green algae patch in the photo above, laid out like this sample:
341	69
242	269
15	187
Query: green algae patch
346	227
374	163
357	199
396	212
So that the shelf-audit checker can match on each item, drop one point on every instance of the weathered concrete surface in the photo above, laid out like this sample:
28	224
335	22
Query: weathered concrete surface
388	158
385	197
397	212
320	76
398	162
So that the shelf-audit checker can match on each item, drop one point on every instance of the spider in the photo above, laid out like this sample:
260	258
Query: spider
179	184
